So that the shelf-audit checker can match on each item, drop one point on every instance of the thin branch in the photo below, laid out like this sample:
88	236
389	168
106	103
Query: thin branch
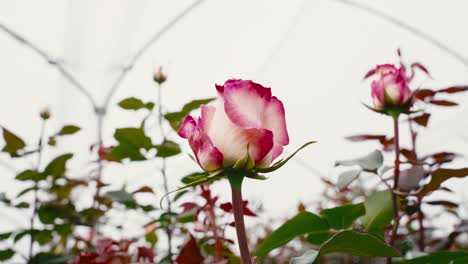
65	73
160	33
423	35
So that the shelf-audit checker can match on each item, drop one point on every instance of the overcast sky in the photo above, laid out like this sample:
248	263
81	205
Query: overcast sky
312	54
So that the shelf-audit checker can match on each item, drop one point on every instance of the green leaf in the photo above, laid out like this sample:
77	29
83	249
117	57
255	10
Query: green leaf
303	223
280	163
21	234
307	258
4	236
48	212
188	217
167	149
63	229
347	177
152	238
343	217
358	244
133	103
22	205
43	237
30	175
13	143
320	237
196	176
441	257
131	141
25	191
122	197
68	130
50	258
195	104
379	210
370	162
439	176
175	118
211	177
58	166
6	254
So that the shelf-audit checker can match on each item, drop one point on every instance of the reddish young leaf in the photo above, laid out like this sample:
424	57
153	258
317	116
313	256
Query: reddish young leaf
421	67
422	120
443	103
454	89
445	203
190	253
442	157
422	94
188	206
145	255
227	207
439	176
358	138
408	154
144	189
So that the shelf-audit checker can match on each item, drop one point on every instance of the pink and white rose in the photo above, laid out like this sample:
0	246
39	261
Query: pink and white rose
246	121
390	88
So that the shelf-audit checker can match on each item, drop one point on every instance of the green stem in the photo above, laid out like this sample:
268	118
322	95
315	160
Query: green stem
238	209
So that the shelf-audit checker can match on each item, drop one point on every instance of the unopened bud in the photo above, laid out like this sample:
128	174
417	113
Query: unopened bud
159	77
45	114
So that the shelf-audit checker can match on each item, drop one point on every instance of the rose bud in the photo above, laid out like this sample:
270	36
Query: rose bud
245	128
45	114
159	77
390	89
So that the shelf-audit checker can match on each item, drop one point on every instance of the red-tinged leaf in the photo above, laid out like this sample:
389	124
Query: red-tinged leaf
387	143
188	206
398	52
190	253
422	94
369	74
247	211
422	120
226	207
445	203
103	154
408	154
421	67
439	176
144	189
443	103
442	157
358	138
454	89
145	254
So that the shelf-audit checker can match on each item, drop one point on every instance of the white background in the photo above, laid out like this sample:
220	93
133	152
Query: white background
312	53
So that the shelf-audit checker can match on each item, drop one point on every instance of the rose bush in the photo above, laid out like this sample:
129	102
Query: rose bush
246	123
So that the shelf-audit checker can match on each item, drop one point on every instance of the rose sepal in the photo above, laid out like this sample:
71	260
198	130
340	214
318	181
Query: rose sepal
282	162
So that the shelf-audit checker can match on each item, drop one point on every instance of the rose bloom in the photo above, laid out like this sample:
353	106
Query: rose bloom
245	119
390	88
